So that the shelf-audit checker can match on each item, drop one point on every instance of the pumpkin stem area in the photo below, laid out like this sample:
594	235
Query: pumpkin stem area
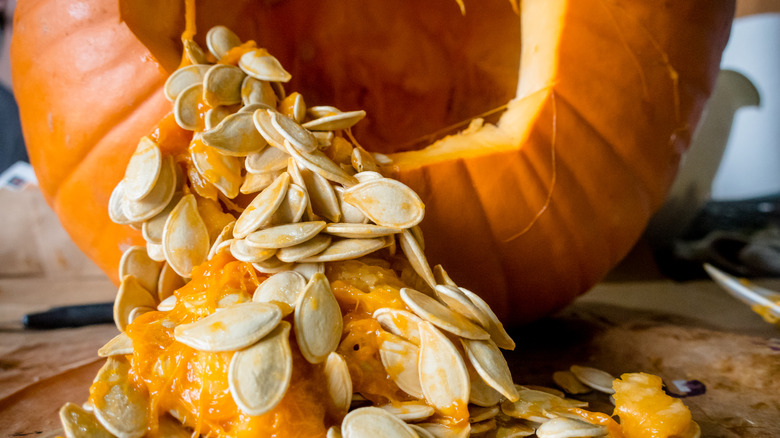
421	70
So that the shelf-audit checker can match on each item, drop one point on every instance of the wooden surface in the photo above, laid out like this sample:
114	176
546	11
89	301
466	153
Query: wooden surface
678	331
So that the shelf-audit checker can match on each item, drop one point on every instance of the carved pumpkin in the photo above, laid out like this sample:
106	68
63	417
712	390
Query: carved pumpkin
592	101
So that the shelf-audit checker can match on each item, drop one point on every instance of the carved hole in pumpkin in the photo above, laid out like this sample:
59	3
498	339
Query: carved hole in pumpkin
418	68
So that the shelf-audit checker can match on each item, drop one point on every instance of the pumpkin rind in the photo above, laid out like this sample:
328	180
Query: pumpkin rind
556	194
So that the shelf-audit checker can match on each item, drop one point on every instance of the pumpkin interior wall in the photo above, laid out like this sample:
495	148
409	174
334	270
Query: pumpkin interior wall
416	67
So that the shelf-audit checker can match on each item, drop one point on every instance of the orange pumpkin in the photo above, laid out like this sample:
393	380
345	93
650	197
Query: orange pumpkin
593	102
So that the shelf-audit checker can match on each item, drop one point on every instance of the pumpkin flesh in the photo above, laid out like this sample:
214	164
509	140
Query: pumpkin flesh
601	99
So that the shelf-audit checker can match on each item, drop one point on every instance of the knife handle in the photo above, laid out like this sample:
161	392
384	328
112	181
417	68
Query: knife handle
70	316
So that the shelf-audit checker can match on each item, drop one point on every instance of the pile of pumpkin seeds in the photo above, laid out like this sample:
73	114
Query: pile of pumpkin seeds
318	198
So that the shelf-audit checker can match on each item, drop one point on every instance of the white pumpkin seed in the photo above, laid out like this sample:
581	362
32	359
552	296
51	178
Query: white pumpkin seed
293	207
220	39
481	393
155	252
119	345
259	211
214	116
399	322
258	377
186	109
338	382
482	413
182	78
282	289
400	359
376	423
167	304
350	214
77	422
156	201
284	236
595	378
324	139
222	85
224	235
368	175
570	428
514	430
456	300
235	135
143	169
533	405
262	121
254	91
244	252
497	332
193	52
272	266
569	382
318	320
347	249
322	197
232	328
309	269
136	262
118	405
115	205
129	296
439	430
138	311
260	65
431	310
185	237
491	366
387	202
266	161
358	231
483	426
363	161
409	411
416	257
421	433
443	374
319	163
152	229
223	171
335	122
310	248
333	432
254	182
318	111
299	137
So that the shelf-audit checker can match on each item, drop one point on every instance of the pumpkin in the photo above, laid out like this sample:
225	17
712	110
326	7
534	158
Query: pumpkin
592	104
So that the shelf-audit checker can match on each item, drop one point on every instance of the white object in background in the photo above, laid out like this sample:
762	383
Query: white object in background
751	163
18	176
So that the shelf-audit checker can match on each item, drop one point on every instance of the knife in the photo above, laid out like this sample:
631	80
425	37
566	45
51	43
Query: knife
70	316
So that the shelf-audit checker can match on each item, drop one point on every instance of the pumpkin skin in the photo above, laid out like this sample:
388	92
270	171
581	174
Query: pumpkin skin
530	212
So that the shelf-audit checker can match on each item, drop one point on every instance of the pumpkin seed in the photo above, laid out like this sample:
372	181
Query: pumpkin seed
272	266
376	423
138	311
409	411
387	202
400	359
346	249
431	310
483	426
129	296
482	413
193	52
299	137
235	135
310	248
309	269
185	107
281	94
497	332
152	229
324	139
254	91
363	161
214	116
143	169
322	197
439	430
443	374
416	257
533	405
319	163
220	39
115	205
333	432
282	289
491	366
263	124
569	382
254	182
570	428
318	111
481	393
335	122
260	65
118	405
167	304
156	201
456	300
155	252
183	78
223	171
259	211
136	262
368	175
595	378
283	236
79	423
338	382
422	433
294	107
119	345
514	430
232	328
399	322
293	207
224	236
258	377
350	214
546	389
266	161
318	320
382	159
169	427
222	85
244	252
418	236
185	237
358	231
